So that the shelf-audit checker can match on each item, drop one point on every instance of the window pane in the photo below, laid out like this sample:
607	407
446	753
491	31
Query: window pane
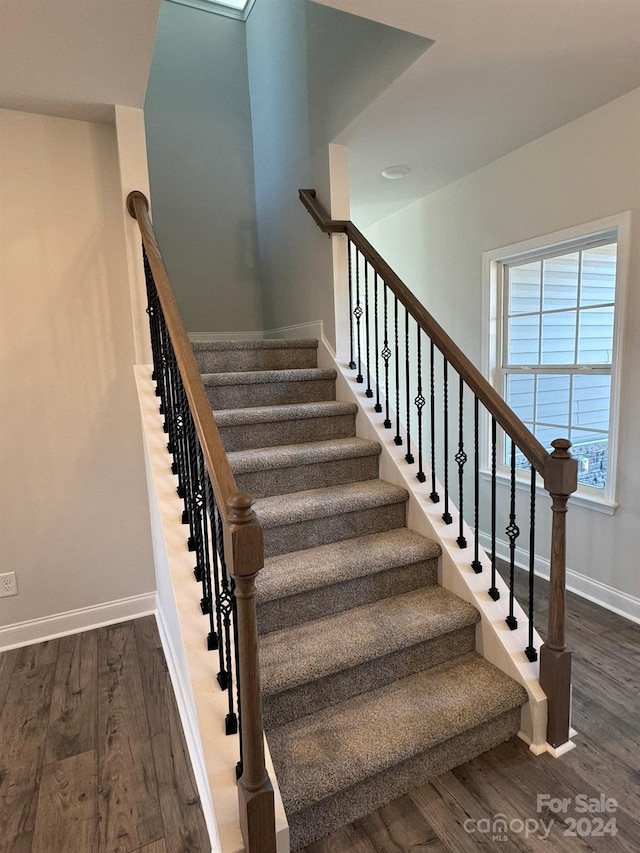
524	288
591	451
546	435
598	275
558	338
590	402
523	340
520	395
552	403
595	336
560	282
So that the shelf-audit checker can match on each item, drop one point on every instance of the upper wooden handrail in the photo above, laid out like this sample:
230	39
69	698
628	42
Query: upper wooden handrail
215	457
493	402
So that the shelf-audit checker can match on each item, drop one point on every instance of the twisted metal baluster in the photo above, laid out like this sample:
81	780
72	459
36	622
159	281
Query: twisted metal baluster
419	403
494	592
530	651
227	608
386	355
398	438
408	455
461	460
446	515
476	565
377	407
217	587
368	392
209	555
435	497
512	531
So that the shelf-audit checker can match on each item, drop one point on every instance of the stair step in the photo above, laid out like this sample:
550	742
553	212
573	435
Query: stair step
296	467
270	426
293	522
269	387
328	660
332	578
225	356
343	761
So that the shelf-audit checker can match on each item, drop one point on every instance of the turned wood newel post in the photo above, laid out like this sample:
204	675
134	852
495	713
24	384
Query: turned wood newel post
244	544
560	480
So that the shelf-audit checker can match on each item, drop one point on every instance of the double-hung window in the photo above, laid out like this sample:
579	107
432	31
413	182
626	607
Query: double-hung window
557	309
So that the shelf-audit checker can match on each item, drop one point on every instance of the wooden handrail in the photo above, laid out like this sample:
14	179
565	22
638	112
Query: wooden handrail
488	396
244	552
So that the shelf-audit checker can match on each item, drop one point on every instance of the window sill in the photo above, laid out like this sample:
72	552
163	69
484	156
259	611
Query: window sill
523	483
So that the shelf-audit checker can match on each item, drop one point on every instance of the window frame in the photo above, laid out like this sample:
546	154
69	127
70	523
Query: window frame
494	263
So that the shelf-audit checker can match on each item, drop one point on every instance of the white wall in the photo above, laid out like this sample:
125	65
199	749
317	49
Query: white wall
198	124
74	519
586	170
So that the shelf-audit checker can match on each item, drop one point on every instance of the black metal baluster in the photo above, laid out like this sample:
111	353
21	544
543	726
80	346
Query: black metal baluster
368	392
386	355
407	356
357	313
476	565
435	497
461	461
378	406
530	651
352	363
215	567
209	555
446	515
227	608
512	531
397	438
419	402
494	592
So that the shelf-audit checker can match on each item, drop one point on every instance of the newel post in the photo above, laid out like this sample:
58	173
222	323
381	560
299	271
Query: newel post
560	480
244	544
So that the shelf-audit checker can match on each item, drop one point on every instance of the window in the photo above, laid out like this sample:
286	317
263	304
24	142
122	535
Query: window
556	309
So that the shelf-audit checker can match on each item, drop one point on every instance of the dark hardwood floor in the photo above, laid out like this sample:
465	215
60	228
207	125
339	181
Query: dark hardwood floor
93	759
92	753
457	812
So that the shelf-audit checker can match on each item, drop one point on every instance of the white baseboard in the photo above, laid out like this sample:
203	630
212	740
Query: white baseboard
75	621
600	593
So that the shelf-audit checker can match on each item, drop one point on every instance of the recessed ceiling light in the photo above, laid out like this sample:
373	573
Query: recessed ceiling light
394	173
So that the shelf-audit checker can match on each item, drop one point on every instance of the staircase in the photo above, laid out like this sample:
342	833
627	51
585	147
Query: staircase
370	680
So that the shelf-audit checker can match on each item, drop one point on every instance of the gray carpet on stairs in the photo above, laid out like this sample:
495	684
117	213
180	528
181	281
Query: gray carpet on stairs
371	684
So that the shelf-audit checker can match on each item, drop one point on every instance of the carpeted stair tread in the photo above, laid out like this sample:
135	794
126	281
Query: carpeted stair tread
328	501
309	453
264	377
302	571
270	343
313	650
274	414
322	754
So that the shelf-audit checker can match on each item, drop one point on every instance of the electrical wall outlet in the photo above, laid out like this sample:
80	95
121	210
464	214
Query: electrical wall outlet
8	584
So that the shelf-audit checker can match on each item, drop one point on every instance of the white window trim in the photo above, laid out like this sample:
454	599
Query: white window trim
601	500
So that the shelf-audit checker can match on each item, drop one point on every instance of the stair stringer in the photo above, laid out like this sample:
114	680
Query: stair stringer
494	640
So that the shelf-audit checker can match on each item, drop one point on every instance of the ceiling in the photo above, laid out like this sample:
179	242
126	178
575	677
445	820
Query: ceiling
75	58
500	74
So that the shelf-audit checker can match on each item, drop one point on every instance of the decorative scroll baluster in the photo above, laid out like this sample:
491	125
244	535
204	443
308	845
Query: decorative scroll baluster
461	460
398	438
408	455
352	363
368	392
530	651
420	402
209	555
512	531
386	355
227	609
476	565
494	592
216	547
378	406
446	515
357	313
435	497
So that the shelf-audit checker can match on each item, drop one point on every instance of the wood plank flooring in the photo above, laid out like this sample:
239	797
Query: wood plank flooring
458	811
93	759
92	753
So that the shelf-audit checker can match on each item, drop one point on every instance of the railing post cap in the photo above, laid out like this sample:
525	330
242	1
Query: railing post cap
239	506
560	469
561	448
